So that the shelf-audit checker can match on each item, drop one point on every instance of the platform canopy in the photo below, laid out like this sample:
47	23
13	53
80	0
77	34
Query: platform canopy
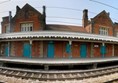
58	34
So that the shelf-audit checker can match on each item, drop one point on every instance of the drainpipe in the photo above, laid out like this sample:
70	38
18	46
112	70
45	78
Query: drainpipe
10	30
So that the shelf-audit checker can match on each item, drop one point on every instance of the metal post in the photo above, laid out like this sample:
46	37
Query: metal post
30	48
92	49
112	49
41	49
70	54
103	44
94	65
8	49
46	67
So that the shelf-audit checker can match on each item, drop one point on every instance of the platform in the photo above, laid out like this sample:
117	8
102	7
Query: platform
54	61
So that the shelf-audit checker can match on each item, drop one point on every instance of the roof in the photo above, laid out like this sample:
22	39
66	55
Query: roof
59	34
29	7
25	9
71	28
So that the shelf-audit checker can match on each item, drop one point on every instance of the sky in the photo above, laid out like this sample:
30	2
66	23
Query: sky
67	12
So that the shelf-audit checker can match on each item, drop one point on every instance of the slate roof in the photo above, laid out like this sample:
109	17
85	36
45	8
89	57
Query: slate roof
56	27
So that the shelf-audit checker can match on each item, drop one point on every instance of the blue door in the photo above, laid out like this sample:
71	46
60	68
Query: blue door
27	50
103	50
50	52
83	51
68	48
6	50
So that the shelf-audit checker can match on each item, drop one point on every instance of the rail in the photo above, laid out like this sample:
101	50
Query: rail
57	75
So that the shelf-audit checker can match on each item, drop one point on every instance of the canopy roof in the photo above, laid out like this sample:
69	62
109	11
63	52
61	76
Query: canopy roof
58	34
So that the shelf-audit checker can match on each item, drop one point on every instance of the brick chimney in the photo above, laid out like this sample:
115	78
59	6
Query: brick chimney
85	18
44	17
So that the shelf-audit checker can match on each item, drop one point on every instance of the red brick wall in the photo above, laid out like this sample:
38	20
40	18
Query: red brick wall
115	29
88	28
3	29
5	22
97	27
103	20
75	49
96	50
109	50
35	49
35	20
88	49
45	46
58	49
18	48
115	50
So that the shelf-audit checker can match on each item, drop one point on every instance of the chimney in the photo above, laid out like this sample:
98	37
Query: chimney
85	18
17	9
44	17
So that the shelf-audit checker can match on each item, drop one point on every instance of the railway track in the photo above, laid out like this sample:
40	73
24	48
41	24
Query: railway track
57	75
112	81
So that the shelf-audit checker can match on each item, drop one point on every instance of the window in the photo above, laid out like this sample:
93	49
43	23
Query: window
103	31
26	26
7	29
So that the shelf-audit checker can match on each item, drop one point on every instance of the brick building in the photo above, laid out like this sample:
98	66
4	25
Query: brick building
27	35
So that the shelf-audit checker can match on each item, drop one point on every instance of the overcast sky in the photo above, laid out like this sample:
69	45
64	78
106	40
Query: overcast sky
63	8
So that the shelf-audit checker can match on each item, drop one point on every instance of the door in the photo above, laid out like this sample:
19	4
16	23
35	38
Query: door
26	50
103	50
83	51
6	50
50	50
68	48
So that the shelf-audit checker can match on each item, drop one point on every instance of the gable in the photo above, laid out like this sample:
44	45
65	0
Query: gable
27	12
103	19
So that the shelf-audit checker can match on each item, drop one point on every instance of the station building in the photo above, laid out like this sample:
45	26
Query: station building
27	35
